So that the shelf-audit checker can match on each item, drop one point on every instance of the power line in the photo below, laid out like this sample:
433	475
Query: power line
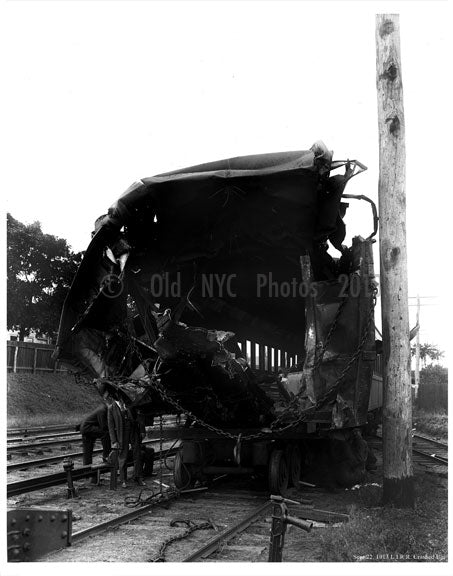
423	296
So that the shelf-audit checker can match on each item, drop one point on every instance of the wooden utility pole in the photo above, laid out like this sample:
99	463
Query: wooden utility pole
417	349
398	486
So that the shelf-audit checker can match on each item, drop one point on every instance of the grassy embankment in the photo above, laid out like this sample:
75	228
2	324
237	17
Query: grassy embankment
47	399
433	424
375	533
381	534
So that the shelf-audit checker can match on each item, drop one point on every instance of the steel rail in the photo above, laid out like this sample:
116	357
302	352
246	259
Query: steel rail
431	441
433	457
29	431
13	447
69	432
130	516
43	461
419	440
36	429
228	534
43	437
40	482
78	438
114	522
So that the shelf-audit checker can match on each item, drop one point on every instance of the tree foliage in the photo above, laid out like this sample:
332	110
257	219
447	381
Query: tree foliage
431	351
40	269
434	375
433	393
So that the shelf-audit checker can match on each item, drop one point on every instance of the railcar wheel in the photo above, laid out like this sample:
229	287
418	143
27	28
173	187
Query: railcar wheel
278	472
182	473
294	459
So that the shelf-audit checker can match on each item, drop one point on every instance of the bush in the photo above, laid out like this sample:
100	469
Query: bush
433	388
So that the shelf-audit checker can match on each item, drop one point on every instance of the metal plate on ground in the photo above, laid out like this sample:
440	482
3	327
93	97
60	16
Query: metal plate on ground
33	532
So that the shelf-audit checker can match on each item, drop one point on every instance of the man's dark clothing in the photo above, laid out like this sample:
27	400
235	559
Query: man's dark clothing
126	427
92	427
148	460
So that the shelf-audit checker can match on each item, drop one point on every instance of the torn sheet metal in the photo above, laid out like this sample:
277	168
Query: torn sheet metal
346	303
233	221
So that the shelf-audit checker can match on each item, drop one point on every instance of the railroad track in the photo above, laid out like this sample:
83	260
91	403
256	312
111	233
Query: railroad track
193	526
183	525
25	433
433	450
249	538
58	478
237	538
33	430
75	439
43	481
224	523
425	450
18	445
41	462
25	437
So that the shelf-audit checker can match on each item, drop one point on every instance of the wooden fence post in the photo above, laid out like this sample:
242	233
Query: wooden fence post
16	350
35	355
398	485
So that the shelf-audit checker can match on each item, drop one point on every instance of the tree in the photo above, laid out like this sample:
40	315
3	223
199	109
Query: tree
40	269
431	351
434	375
433	388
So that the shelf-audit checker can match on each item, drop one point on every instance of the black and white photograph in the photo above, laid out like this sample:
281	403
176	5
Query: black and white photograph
226	285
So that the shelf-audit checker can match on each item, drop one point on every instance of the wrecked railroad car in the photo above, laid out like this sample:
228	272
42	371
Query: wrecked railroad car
209	292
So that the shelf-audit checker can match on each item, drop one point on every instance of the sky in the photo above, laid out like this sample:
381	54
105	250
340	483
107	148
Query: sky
103	93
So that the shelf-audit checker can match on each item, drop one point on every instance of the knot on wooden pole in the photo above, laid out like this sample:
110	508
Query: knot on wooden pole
386	28
394	125
390	255
390	73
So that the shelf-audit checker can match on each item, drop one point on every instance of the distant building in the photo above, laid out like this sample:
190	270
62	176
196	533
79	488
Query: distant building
32	336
